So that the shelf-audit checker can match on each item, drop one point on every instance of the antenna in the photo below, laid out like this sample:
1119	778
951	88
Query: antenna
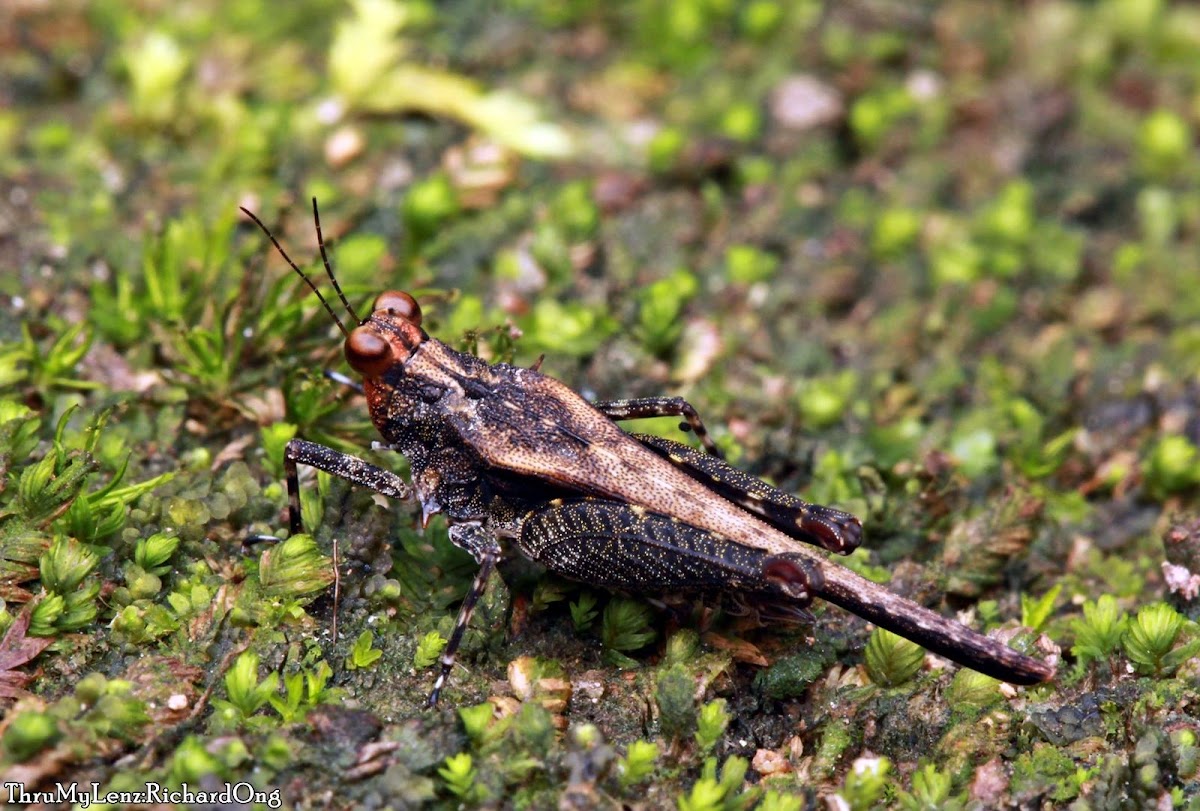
328	269
300	273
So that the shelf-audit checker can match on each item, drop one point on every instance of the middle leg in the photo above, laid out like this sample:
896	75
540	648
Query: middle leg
645	407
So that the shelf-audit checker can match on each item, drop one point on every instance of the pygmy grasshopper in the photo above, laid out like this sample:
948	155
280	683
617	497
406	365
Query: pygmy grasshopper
509	453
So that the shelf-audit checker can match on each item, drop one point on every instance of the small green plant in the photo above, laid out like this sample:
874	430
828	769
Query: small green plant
303	690
674	692
1100	631
275	438
96	516
626	625
459	774
246	694
566	328
1164	144
746	264
930	791
711	724
192	762
1171	466
970	690
1035	612
989	613
896	231
546	592
189	598
28	733
892	660
63	569
48	486
823	401
665	148
865	782
362	655
478	722
156	66
294	568
151	554
774	801
583	611
44	615
681	647
659	324
430	202
55	367
710	794
1150	640
875	113
638	763
429	648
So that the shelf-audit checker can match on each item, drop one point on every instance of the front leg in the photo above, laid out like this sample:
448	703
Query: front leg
483	546
645	407
342	465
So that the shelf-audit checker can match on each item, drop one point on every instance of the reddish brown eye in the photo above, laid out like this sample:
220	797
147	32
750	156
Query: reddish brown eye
367	353
401	304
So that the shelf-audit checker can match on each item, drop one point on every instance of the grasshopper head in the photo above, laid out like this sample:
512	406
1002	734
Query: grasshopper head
388	336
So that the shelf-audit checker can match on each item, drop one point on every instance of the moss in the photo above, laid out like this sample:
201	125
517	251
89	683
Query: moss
791	676
961	309
1047	771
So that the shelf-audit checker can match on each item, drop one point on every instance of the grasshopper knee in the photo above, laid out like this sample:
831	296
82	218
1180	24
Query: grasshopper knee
794	576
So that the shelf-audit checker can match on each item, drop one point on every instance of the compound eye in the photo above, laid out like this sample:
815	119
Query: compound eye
399	303
367	353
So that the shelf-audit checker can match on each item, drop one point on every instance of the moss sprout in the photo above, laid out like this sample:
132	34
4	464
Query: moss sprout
1100	631
28	733
674	693
638	763
294	568
1150	639
710	794
362	653
583	611
711	722
152	553
1164	144
246	695
429	650
626	626
930	791
865	782
892	660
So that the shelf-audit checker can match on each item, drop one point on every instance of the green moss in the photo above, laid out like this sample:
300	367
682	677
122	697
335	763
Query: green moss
836	738
28	733
1172	465
891	660
1101	630
1150	638
1164	144
866	782
790	676
970	692
937	293
674	692
1047	771
824	401
638	762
